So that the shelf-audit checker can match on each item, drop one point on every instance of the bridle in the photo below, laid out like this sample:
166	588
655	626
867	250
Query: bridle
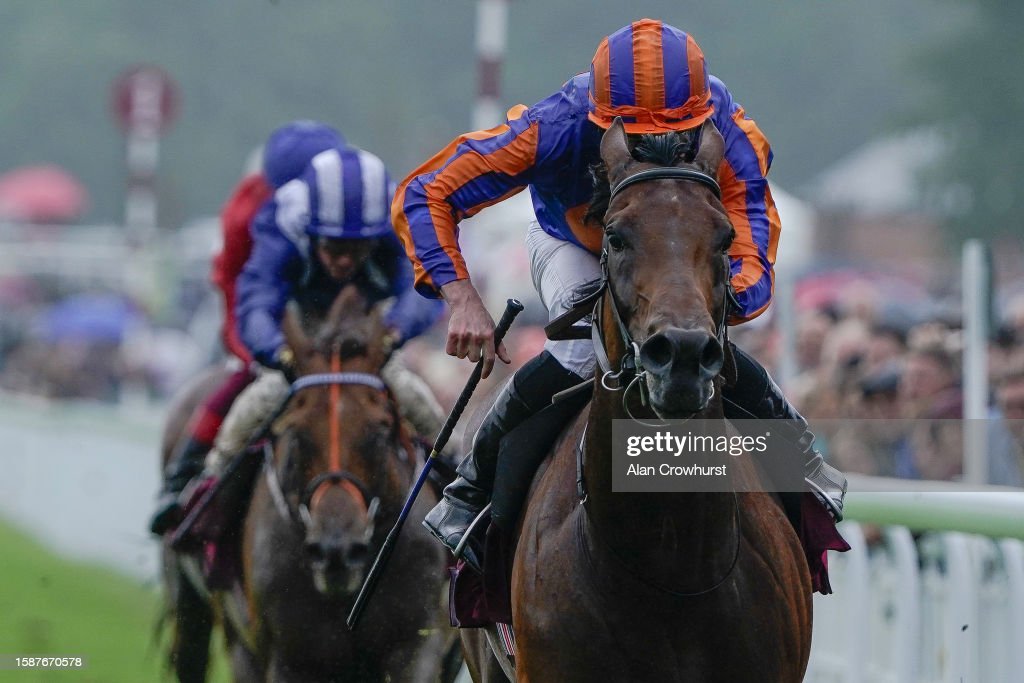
631	372
301	513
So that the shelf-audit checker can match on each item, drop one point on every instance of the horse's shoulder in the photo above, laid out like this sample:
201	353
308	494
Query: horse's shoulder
556	475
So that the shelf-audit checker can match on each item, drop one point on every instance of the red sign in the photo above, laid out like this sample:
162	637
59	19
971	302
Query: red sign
145	100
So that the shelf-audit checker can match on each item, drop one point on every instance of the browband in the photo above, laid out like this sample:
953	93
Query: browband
668	173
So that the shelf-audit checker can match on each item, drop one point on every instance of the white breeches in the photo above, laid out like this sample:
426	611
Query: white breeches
558	269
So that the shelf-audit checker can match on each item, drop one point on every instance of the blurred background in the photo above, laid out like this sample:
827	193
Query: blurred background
124	125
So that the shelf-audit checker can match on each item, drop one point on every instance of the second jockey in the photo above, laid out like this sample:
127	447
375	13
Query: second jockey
326	229
285	156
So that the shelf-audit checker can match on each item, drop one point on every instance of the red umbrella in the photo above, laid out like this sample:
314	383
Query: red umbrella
844	284
41	194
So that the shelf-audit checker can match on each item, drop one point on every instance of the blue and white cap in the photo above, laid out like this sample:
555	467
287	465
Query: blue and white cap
344	193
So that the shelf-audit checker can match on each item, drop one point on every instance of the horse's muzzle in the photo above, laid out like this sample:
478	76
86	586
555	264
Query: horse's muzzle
337	567
681	366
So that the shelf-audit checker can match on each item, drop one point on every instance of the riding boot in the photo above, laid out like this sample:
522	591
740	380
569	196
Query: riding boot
755	395
528	391
186	463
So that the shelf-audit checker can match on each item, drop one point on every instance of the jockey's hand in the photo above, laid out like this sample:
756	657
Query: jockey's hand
286	359
470	327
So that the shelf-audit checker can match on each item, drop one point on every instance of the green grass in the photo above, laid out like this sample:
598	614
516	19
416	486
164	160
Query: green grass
52	606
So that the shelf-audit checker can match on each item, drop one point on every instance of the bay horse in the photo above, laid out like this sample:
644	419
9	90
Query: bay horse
644	587
333	483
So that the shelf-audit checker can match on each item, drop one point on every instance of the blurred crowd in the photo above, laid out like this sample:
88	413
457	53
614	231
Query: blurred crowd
883	386
60	341
879	377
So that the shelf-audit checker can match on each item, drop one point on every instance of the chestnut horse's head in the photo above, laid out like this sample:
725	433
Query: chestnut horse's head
337	456
666	244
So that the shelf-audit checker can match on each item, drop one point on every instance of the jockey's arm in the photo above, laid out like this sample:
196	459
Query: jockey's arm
265	286
475	171
748	201
411	314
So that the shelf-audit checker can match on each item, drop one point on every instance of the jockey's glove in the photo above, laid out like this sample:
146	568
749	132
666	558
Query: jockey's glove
283	360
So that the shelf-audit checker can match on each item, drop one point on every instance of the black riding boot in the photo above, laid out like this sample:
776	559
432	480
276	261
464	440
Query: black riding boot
186	463
755	395
530	389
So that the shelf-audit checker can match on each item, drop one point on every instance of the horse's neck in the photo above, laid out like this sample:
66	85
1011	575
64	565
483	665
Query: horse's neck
666	530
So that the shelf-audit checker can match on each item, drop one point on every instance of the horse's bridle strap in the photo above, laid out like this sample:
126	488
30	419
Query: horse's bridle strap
667	173
327	378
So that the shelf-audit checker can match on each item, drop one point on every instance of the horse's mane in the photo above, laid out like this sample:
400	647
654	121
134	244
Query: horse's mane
664	149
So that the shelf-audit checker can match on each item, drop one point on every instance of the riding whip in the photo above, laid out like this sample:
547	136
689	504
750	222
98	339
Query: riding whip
512	308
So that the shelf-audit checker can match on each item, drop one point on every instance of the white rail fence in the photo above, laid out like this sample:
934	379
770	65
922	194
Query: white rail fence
914	604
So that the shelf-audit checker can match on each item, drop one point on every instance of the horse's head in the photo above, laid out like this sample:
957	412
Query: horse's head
667	238
336	455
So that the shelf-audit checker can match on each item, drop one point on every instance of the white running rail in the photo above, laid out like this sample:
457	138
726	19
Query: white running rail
924	606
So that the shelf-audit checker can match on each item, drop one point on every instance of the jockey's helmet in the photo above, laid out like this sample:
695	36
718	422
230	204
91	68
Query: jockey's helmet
290	147
350	195
652	75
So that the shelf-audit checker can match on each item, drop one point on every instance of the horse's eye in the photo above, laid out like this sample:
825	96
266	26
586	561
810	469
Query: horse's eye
615	241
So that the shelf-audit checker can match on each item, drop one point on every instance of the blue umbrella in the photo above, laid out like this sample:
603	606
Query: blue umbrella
87	317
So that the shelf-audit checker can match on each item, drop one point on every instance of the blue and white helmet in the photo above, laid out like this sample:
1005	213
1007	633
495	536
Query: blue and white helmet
344	193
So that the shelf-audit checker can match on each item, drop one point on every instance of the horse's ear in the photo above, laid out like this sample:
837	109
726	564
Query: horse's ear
296	338
350	302
712	149
615	151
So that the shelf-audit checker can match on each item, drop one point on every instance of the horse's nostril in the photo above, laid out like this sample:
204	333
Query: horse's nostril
656	353
315	551
711	359
357	553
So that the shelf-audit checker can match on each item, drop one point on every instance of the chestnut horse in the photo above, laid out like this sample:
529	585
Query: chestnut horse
333	483
709	587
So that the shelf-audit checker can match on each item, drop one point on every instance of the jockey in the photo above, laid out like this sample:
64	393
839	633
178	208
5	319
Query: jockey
284	156
327	228
653	76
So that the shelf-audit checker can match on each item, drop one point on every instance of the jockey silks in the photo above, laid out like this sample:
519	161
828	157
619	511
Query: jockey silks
550	147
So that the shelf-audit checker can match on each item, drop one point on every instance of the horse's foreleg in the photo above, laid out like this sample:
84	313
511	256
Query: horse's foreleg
415	662
483	665
244	667
193	622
